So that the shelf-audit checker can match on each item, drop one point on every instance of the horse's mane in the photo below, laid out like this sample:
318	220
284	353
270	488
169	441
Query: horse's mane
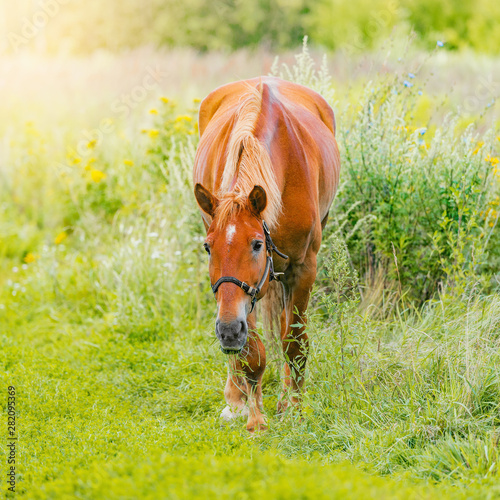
247	165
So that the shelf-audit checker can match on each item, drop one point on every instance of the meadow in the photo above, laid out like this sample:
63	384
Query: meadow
106	313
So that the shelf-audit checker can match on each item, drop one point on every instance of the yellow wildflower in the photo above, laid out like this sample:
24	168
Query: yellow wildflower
153	133
164	99
97	175
479	145
129	163
60	238
91	144
196	100
153	111
183	117
88	167
29	258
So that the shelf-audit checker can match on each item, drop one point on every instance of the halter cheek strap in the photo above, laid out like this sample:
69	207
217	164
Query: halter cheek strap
250	290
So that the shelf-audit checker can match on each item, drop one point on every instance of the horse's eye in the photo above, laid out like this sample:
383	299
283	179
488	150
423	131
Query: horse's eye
257	246
206	247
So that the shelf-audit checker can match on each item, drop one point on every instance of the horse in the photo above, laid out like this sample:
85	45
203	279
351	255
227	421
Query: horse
265	174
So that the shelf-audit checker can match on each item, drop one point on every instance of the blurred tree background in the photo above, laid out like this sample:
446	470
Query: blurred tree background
80	27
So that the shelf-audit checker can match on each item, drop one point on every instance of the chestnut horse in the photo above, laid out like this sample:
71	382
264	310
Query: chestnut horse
267	157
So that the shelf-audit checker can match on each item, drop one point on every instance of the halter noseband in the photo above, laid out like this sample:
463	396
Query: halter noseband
250	290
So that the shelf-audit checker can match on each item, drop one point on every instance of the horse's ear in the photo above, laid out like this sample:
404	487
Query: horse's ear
257	199
207	201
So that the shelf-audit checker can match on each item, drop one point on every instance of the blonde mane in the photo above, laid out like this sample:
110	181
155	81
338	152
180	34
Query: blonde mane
247	165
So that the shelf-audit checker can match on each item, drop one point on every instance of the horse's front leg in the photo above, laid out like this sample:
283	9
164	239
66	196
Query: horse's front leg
295	341
243	392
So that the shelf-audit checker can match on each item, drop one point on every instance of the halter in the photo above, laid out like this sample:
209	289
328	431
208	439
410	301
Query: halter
250	290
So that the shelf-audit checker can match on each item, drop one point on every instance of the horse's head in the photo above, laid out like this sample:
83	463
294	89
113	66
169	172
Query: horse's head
236	245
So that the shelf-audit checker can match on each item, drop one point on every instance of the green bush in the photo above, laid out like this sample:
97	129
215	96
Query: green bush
82	27
417	204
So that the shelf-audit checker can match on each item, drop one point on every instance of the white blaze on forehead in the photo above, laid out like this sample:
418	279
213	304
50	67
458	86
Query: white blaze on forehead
231	229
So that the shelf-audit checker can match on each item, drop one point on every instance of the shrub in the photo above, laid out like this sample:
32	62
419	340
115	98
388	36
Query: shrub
417	202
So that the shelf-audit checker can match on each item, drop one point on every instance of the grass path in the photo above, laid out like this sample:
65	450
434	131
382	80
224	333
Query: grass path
104	416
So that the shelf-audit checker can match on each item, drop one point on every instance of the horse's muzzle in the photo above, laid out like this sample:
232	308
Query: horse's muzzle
232	335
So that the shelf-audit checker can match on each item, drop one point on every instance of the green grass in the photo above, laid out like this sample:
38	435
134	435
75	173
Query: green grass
103	415
107	324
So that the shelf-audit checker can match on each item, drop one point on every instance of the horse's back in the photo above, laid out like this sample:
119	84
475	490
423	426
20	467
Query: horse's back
297	128
228	96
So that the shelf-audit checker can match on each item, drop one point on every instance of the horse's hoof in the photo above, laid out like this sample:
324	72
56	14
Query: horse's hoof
252	427
228	414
